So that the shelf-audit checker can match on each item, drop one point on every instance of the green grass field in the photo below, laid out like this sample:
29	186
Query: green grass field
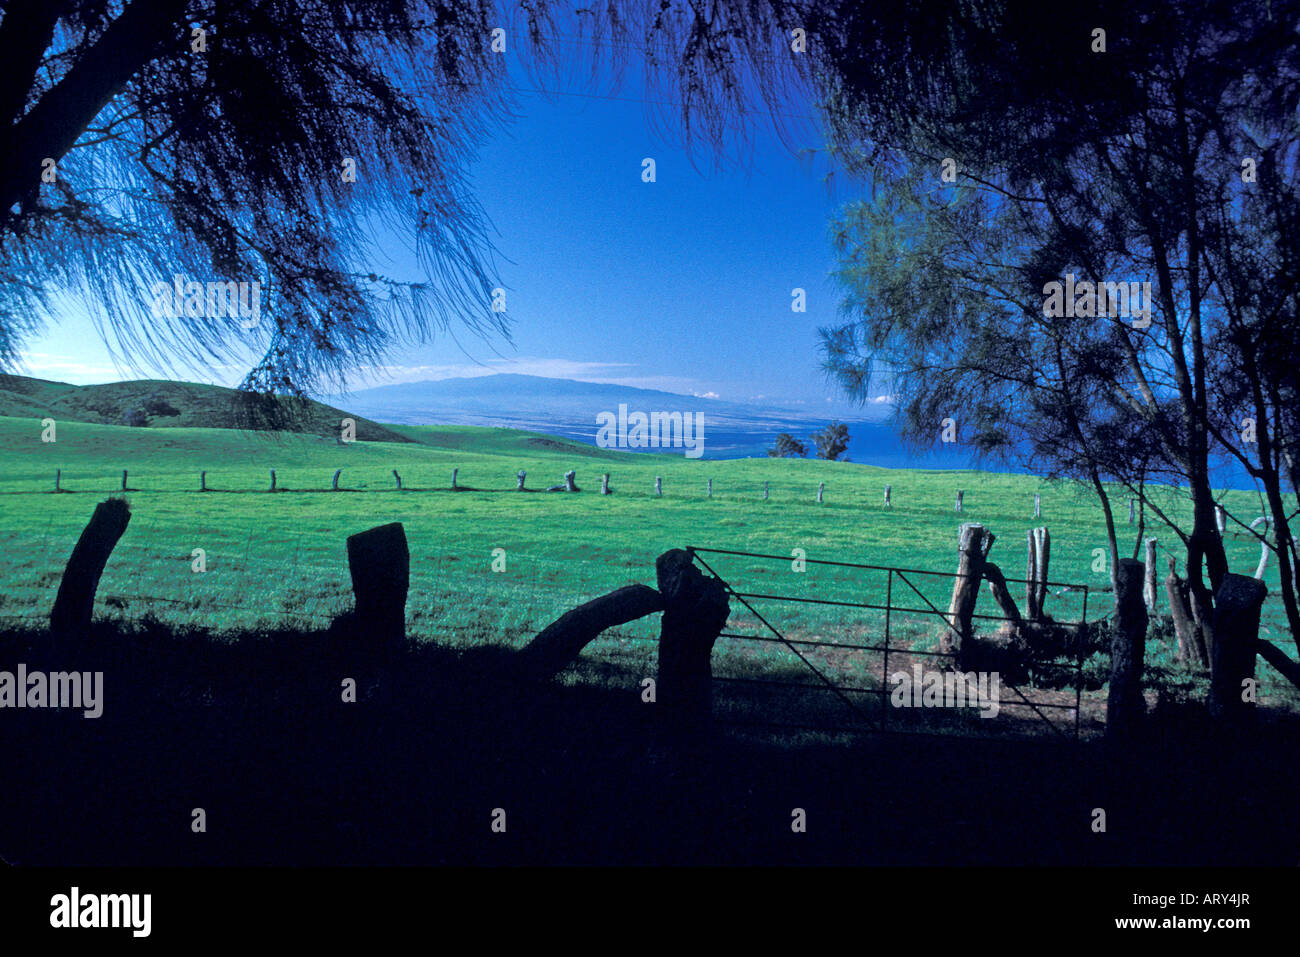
279	559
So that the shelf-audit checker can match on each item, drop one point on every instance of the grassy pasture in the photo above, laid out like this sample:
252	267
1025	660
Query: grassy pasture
278	560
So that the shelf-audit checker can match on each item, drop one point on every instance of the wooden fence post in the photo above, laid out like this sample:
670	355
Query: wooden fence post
821	488
398	479
1132	515
203	481
1038	506
571	480
380	564
76	596
272	480
710	488
58	477
334	482
973	543
764	491
960	494
454	474
1125	706
1221	520
123	480
560	642
604	484
1232	655
888	491
519	479
1149	577
659	486
695	612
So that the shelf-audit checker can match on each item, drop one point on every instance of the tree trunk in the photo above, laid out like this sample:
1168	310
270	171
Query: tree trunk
76	597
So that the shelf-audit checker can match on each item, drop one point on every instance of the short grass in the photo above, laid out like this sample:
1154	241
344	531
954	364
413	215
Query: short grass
277	560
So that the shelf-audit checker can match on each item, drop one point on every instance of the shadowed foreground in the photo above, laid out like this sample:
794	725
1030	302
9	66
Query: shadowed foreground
255	732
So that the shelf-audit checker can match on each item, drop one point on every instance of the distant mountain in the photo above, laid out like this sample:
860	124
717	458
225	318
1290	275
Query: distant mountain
161	403
568	408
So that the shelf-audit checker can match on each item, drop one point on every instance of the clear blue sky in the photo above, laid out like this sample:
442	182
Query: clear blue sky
682	284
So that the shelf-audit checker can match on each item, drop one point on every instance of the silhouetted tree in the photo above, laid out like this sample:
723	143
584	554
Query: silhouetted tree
832	441
787	447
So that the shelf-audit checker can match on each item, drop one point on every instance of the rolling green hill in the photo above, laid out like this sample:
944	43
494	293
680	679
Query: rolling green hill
158	403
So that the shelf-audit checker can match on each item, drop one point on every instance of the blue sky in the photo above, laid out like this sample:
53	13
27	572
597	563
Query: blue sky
682	284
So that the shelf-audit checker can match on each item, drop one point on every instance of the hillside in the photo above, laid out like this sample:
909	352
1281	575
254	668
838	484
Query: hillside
159	403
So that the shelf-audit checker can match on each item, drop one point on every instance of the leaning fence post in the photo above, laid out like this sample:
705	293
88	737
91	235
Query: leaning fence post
76	596
696	608
1125	706
821	488
398	479
334	482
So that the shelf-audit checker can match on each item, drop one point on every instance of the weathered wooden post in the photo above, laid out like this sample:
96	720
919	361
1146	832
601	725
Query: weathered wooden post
1232	657
76	596
960	494
58	477
1125	706
454	474
1263	546
334	482
764	491
398	479
380	563
710	488
1149	577
1038	505
123	480
888	491
973	543
272	480
1039	558
695	612
203	481
1181	611
570	480
604	484
1132	514
519	479
1221	520
659	486
559	643
821	488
